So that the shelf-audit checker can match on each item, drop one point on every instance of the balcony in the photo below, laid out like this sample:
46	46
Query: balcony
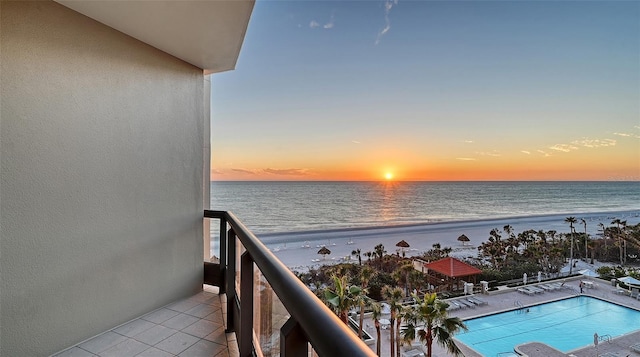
257	307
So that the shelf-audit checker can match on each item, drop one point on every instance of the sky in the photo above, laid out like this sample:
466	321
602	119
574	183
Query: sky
432	91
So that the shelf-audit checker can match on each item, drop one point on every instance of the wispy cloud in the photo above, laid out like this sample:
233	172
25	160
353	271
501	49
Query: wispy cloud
313	24
329	25
594	143
563	147
525	152
493	153
356	142
388	5
217	172
628	135
287	172
467	141
244	171
466	158
544	153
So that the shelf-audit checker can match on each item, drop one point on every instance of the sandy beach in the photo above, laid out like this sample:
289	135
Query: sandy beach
298	250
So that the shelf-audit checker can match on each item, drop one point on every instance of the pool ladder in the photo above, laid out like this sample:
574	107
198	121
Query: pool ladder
520	307
606	338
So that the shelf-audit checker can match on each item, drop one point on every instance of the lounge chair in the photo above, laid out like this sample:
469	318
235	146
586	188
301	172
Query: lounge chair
456	304
477	301
534	289
453	307
525	291
635	348
466	303
551	287
544	287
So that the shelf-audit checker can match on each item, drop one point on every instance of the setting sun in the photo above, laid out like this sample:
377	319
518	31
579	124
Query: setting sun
388	176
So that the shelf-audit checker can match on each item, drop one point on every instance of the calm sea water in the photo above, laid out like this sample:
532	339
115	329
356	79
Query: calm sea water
267	207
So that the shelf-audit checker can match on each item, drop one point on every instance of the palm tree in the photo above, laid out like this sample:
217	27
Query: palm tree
438	326
379	252
365	275
571	221
618	222
393	296
377	313
343	297
357	254
586	239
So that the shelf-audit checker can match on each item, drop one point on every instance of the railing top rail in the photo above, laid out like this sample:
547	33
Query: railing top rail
328	335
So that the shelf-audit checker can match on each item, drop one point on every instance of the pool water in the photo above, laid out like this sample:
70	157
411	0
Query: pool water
565	325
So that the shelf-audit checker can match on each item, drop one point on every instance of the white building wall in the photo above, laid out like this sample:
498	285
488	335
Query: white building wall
101	165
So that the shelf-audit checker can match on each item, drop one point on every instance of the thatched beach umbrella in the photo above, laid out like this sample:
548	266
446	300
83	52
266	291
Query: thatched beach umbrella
402	244
324	251
464	239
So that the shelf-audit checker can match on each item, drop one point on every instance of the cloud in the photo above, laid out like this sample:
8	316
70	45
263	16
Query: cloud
467	141
217	172
329	25
287	172
594	143
313	24
563	147
356	142
388	5
466	158
244	171
493	153
525	152
544	153
628	135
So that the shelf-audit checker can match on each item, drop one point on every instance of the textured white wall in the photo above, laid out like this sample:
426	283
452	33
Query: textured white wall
101	190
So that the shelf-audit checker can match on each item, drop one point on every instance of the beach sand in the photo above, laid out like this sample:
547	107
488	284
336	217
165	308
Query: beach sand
298	250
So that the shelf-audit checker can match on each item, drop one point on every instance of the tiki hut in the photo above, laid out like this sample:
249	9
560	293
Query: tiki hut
464	239
324	251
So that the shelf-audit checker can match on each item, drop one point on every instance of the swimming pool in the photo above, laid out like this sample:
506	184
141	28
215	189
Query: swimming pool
565	325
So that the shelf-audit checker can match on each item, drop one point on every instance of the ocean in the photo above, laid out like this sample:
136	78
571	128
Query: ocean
269	207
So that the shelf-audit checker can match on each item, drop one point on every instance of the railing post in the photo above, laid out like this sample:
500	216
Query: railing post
293	341
245	340
231	279
223	254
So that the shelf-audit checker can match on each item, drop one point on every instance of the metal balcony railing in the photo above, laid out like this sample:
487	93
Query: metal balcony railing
272	312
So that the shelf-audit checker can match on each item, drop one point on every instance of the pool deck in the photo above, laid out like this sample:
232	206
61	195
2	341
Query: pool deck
507	299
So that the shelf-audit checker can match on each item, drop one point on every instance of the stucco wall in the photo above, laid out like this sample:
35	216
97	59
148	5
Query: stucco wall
101	188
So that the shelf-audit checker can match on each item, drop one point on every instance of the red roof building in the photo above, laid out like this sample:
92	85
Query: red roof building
453	268
450	273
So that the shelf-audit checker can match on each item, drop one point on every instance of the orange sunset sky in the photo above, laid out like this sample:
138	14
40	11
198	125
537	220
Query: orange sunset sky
422	90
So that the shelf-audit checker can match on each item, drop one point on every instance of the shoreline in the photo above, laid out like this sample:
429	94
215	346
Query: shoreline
267	236
298	250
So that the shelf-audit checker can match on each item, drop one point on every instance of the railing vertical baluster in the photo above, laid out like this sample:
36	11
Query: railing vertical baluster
293	341
245	340
231	279
223	253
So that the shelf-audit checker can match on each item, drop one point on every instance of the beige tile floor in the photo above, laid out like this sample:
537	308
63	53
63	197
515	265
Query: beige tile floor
191	327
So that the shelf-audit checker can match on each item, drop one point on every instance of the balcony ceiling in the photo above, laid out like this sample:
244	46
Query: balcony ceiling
206	33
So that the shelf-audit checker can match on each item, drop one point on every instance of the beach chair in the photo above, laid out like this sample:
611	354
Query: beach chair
635	348
466	303
534	289
456	304
551	287
525	291
477	301
544	287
